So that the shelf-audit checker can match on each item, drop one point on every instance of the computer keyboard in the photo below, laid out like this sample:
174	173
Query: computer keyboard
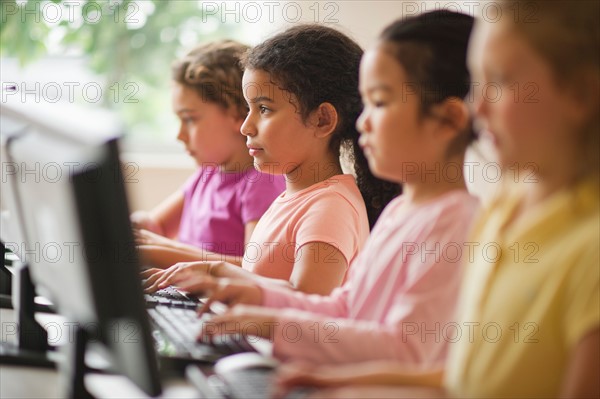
175	332
170	296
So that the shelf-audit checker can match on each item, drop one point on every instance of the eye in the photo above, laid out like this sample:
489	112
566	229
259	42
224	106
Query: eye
263	109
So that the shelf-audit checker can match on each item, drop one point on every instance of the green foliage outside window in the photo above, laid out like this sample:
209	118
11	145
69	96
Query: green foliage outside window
130	45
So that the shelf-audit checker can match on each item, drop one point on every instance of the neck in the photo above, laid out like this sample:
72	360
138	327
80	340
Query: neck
428	186
547	182
239	162
557	168
312	172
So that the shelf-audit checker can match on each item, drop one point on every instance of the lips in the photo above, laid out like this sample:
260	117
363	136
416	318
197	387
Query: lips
253	149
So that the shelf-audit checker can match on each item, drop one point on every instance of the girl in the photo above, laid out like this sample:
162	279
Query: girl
405	282
302	90
219	206
544	299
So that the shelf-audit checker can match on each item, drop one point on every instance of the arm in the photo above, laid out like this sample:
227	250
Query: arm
581	377
367	373
380	392
164	219
160	252
163	257
248	230
319	270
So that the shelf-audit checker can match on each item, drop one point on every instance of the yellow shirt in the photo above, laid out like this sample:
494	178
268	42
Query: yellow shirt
530	294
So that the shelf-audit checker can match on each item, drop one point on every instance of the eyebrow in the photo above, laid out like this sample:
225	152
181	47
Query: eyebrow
378	87
261	98
186	110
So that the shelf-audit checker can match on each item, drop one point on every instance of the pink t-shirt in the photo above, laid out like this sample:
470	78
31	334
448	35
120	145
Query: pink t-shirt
217	206
332	211
398	302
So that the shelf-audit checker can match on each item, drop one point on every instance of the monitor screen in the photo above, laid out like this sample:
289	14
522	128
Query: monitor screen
67	185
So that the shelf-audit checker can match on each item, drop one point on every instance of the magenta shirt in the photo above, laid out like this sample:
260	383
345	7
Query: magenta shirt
217	205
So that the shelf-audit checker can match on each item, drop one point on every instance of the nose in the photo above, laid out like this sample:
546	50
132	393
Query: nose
363	123
248	128
182	134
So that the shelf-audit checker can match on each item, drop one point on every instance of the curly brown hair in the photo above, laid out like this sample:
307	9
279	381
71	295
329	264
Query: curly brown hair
215	72
318	64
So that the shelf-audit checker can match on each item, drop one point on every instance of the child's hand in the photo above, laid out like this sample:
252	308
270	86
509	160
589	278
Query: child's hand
297	375
241	319
227	291
157	279
146	237
142	220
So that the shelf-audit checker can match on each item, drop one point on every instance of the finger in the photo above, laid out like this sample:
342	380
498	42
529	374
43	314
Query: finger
150	283
219	293
165	280
150	272
195	284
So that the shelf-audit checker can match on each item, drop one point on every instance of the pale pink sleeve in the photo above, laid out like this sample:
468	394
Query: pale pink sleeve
309	337
334	305
416	331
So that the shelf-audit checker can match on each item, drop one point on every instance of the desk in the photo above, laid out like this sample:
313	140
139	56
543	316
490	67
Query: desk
31	382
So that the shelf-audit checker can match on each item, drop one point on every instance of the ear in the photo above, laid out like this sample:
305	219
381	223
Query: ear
324	119
454	115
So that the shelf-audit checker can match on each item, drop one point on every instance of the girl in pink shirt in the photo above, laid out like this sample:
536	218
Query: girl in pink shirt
302	90
398	302
217	209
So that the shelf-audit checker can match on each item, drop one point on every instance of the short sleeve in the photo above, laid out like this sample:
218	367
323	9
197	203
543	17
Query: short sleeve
582	298
333	220
258	193
190	184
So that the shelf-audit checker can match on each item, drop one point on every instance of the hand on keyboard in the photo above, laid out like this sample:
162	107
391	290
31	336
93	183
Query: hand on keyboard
227	291
146	237
244	320
157	278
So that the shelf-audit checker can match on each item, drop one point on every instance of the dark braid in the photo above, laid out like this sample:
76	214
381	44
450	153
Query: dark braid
318	64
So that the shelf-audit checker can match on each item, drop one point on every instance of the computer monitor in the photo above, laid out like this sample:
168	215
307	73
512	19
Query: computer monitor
67	182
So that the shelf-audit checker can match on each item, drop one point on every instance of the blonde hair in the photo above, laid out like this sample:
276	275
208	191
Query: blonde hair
215	72
567	35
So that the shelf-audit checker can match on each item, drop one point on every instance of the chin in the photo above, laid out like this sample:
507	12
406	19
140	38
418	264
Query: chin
381	173
267	167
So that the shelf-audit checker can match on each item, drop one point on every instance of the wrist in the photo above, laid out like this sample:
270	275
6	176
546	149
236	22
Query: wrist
212	268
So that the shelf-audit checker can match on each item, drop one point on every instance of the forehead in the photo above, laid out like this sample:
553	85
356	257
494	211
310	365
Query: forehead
379	65
477	44
183	94
258	84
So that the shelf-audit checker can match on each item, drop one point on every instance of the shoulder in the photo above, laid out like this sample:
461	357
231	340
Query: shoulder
337	188
453	207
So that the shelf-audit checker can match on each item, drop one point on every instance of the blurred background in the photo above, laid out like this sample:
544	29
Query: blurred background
116	54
